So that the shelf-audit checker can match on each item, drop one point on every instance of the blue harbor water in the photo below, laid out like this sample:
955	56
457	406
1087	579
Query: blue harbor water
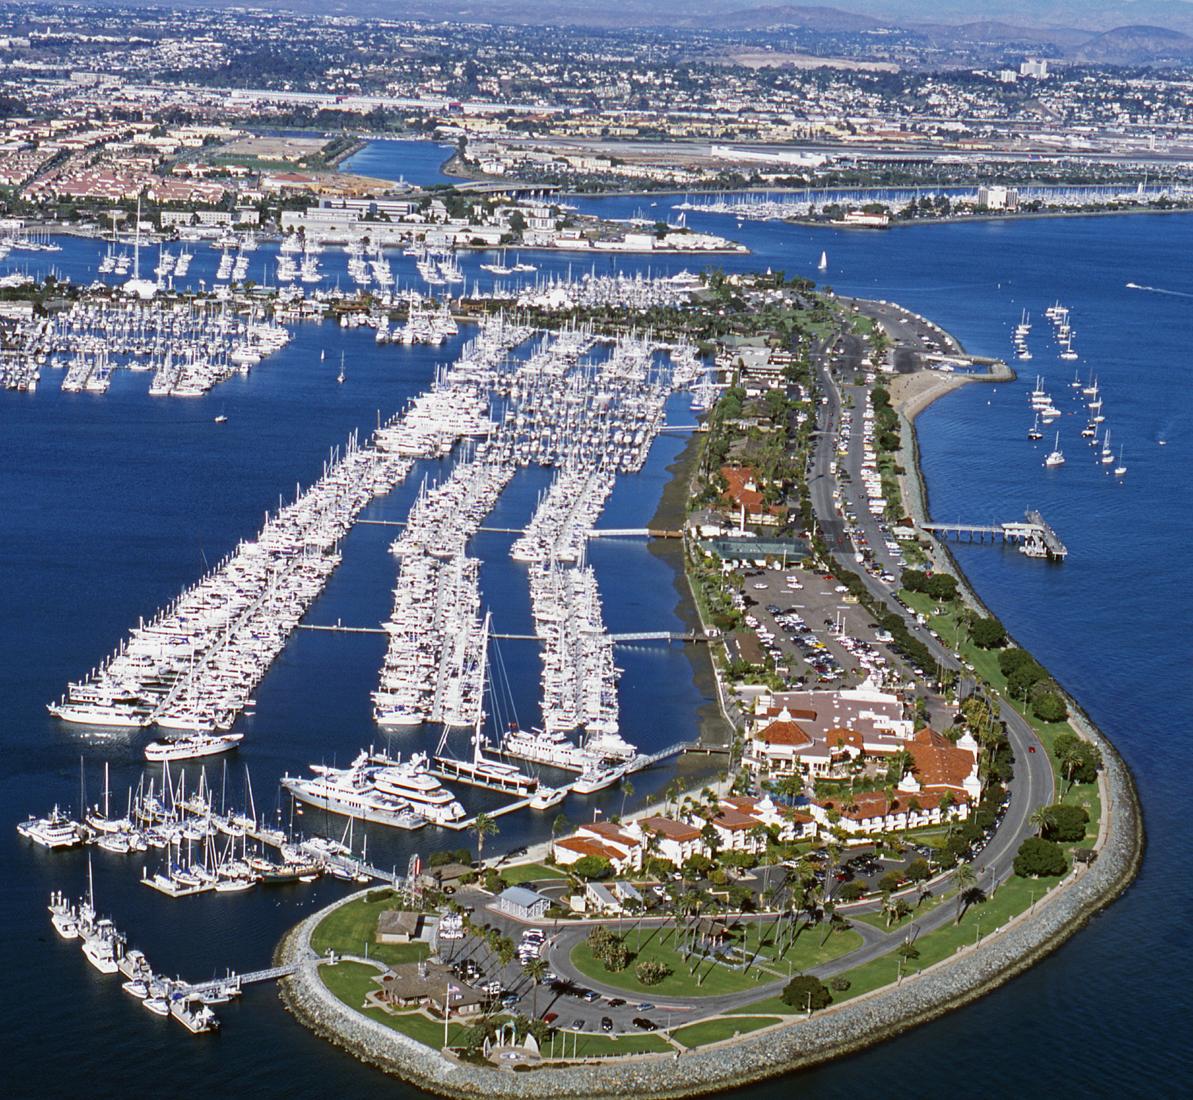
417	162
109	505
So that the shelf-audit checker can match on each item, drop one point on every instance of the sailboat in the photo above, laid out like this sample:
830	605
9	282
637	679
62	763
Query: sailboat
340	376
481	771
1057	457
222	418
1034	431
1121	468
823	264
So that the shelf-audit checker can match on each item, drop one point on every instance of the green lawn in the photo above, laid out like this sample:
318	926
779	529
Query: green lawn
1009	900
878	920
767	1004
529	872
350	981
351	929
713	1031
711	979
602	1046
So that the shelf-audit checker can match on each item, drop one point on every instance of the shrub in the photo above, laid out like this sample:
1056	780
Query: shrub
918	870
852	891
839	984
1049	706
988	633
805	991
651	972
1039	858
1066	823
592	868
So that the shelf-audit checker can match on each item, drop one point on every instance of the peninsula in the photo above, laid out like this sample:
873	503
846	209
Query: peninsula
908	810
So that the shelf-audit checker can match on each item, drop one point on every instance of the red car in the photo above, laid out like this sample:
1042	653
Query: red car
1031	748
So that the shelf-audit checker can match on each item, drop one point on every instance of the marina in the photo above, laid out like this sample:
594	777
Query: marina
293	719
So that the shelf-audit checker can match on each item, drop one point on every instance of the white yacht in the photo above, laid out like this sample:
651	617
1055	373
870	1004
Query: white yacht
547	797
103	947
55	831
1057	456
352	793
192	747
414	782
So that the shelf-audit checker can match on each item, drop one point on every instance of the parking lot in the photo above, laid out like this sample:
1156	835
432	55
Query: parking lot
809	627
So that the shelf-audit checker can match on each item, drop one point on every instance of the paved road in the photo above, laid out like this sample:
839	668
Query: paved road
1031	787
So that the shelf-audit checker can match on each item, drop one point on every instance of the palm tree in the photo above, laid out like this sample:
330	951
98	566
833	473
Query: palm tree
973	895
966	880
1071	759
1042	819
627	791
536	970
482	826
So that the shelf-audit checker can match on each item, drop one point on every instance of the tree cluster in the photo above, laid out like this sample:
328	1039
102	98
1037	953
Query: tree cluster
807	993
1040	858
940	586
1027	678
1078	760
651	972
609	949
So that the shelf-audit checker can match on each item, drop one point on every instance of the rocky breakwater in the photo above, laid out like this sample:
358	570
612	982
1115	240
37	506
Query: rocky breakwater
798	1043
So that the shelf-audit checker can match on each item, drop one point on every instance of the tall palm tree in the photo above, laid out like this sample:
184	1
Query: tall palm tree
1071	759
627	791
1042	819
482	826
965	879
536	970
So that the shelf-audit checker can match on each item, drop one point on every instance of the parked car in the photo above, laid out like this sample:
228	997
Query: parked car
643	1024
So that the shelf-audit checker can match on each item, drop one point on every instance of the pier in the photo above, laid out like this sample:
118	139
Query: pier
1033	533
217	985
690	636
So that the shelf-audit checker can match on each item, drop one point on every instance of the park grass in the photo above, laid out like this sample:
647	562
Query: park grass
878	920
350	981
605	1046
528	872
1008	901
351	930
774	1004
726	1027
711	979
